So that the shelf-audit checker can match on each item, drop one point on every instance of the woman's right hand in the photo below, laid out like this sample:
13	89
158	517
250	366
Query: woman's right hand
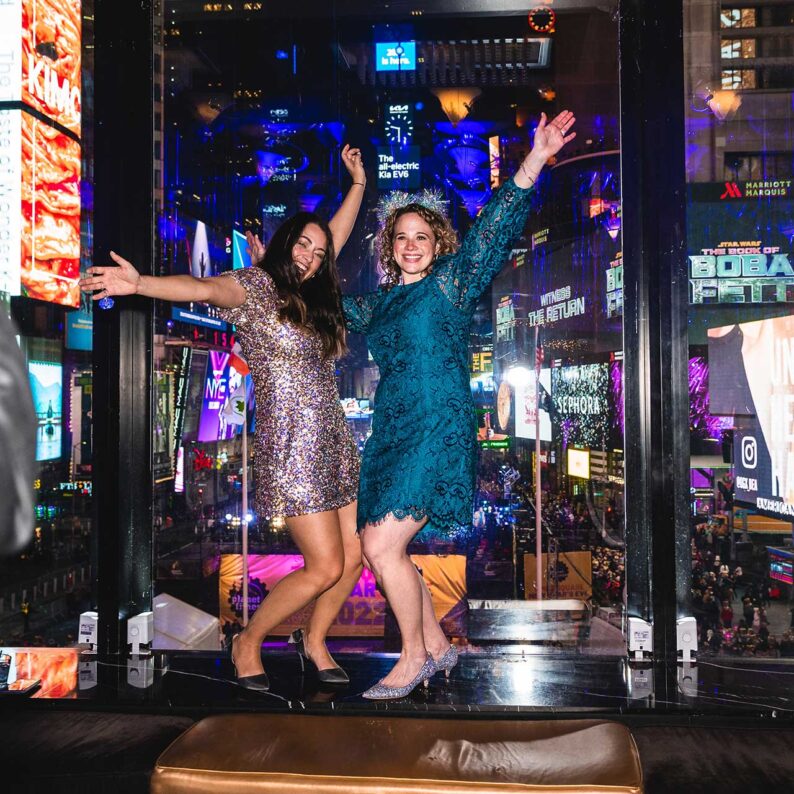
354	164
105	281
256	249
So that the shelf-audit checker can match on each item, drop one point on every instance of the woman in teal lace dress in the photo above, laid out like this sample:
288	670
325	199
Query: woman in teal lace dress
418	466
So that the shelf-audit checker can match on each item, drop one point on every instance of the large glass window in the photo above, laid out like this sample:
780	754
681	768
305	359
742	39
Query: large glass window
741	334
46	112
255	107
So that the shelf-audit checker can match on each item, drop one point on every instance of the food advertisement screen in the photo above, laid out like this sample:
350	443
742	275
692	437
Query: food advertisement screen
51	59
50	206
40	58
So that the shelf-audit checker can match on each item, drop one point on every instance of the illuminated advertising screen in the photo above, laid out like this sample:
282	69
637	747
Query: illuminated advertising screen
50	194
356	409
56	668
613	295
240	257
740	248
579	463
198	251
194	394
46	385
51	49
526	397
40	155
398	123
399	167
11	189
163	428
481	379
395	56
219	384
752	379
80	330
41	55
40	181
580	398
781	565
200	261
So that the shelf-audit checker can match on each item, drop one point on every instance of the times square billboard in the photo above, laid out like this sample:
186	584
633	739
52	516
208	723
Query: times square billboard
564	283
741	290
40	151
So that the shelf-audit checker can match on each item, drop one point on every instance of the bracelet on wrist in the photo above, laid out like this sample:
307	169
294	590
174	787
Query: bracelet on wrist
363	184
532	179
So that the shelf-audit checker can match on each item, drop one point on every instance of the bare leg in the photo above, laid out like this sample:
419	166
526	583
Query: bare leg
384	546
319	540
327	606
436	641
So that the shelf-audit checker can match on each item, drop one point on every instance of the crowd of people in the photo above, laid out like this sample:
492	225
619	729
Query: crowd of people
730	604
566	518
608	575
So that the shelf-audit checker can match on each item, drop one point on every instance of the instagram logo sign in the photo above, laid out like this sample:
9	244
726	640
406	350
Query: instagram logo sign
749	452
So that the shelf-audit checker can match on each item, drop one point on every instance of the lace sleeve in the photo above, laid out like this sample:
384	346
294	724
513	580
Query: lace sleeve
358	311
260	295
465	275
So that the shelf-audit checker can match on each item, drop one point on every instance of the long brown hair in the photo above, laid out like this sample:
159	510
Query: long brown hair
446	238
315	303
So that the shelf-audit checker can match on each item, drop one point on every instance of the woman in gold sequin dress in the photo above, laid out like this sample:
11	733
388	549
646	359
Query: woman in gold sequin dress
288	315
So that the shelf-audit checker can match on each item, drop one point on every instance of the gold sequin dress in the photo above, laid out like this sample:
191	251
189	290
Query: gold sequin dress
305	459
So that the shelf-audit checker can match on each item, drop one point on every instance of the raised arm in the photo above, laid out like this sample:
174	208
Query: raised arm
464	276
345	217
124	279
549	138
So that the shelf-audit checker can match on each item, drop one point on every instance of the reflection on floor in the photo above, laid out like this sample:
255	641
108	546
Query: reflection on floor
497	681
483	681
487	681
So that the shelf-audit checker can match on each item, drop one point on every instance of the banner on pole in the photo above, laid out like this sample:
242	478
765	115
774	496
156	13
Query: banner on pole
362	614
574	575
445	577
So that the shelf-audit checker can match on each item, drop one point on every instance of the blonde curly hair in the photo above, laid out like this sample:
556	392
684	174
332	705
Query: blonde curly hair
445	237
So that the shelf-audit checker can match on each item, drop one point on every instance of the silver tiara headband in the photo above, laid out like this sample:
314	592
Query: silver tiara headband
431	199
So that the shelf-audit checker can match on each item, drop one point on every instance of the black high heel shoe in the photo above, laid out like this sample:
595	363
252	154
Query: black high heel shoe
258	683
333	675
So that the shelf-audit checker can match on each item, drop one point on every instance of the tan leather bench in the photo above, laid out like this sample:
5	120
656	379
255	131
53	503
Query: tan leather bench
291	753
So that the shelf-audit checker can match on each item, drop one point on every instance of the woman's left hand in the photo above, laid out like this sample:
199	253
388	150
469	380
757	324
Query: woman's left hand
255	248
551	136
354	164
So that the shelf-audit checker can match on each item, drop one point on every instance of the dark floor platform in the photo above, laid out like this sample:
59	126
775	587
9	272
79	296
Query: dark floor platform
489	680
725	725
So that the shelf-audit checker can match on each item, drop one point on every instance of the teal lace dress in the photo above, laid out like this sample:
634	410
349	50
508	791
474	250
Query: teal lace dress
420	459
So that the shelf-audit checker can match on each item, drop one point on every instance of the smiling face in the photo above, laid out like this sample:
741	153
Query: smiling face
414	246
309	251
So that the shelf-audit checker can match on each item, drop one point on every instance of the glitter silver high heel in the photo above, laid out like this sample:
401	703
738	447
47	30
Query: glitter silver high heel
382	692
447	660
